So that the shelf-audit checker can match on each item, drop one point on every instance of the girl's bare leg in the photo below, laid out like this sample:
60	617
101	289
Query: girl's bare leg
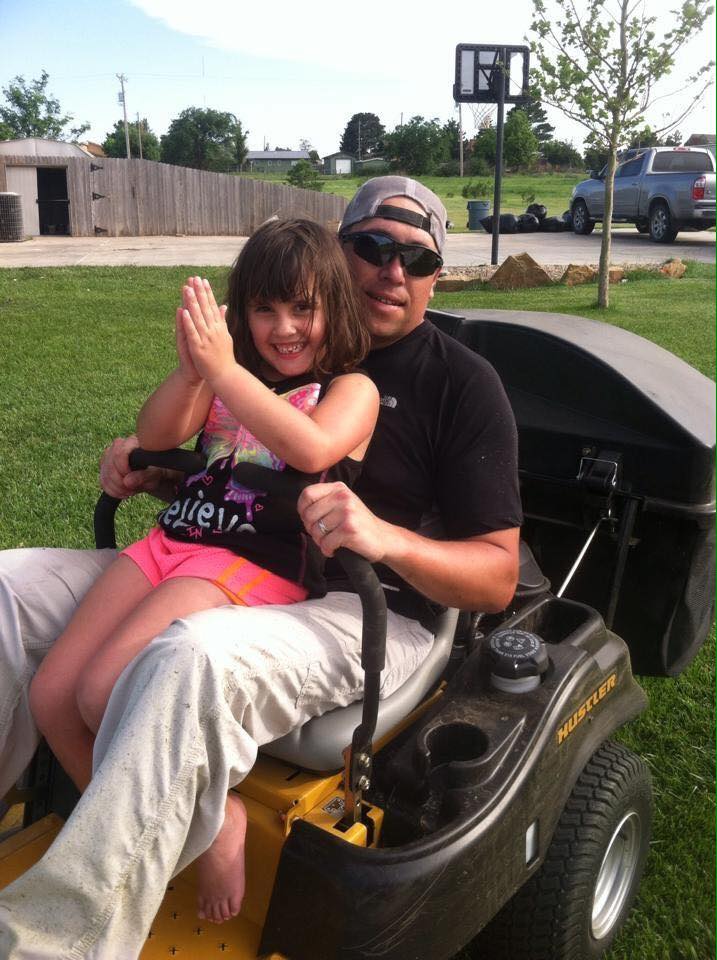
53	694
220	869
170	600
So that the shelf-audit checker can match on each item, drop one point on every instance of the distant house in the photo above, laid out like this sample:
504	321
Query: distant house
339	163
94	149
273	161
701	140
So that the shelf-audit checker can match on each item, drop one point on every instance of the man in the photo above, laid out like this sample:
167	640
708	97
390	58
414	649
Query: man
187	716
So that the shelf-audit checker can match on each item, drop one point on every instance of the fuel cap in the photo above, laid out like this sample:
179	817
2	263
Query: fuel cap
518	660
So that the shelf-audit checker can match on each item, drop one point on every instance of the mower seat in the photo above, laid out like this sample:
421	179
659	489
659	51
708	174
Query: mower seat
319	743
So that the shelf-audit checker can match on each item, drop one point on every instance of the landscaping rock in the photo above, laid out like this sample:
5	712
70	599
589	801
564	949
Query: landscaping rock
674	268
456	283
616	274
517	273
578	273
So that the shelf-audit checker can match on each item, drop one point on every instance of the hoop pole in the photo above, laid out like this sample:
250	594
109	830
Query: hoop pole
498	161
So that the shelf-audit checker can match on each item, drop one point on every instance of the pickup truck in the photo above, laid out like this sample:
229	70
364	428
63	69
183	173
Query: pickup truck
662	190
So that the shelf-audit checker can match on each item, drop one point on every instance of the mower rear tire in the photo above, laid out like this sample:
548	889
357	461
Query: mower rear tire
574	906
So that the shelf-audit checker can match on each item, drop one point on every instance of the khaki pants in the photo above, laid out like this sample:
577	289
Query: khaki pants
183	724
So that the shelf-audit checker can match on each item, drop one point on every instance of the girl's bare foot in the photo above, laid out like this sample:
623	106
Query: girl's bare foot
221	868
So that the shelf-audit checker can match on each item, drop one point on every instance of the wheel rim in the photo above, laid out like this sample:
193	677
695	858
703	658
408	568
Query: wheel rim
578	216
659	222
616	874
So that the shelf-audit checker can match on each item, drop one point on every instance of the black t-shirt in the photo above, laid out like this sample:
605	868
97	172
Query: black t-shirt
214	509
444	456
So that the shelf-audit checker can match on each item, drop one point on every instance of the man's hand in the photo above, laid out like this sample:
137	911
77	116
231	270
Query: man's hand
119	481
335	517
210	344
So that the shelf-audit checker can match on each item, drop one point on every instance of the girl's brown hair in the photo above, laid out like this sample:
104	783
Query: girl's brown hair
289	259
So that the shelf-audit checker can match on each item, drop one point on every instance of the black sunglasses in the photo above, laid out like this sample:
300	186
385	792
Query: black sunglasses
379	250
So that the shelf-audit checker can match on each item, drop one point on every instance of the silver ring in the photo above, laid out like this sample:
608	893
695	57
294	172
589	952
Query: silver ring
322	527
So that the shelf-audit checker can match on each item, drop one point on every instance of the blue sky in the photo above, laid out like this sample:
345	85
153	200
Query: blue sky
288	70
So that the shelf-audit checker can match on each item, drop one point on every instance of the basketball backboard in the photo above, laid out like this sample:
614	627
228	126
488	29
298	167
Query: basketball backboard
478	67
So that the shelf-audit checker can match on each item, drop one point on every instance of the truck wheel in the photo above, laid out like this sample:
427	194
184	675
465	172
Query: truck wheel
582	223
661	227
574	906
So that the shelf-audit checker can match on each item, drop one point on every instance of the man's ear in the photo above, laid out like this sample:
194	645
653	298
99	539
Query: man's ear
432	294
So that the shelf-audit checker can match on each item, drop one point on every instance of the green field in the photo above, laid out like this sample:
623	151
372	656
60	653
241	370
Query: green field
84	346
551	189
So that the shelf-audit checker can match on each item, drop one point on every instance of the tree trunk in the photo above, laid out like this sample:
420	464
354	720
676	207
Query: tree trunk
606	244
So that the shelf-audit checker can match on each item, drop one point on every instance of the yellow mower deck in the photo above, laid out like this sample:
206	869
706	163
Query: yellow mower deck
275	795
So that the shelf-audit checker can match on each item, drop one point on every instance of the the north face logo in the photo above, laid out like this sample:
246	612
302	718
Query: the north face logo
389	402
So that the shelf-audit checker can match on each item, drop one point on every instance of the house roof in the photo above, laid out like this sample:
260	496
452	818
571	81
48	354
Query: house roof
700	139
278	155
340	154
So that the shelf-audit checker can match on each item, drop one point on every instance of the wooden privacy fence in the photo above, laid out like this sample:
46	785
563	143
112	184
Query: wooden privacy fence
137	198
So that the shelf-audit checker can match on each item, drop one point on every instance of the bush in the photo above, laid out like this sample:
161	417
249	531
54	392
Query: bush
478	167
449	168
477	190
304	176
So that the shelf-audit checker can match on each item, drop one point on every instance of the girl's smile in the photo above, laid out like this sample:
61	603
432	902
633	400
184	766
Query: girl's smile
287	335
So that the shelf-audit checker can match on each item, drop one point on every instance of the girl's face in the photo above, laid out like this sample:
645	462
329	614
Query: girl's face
287	335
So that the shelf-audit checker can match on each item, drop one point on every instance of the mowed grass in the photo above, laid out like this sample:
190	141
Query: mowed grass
551	189
82	348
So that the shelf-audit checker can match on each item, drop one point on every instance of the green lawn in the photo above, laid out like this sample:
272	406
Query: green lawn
84	346
551	189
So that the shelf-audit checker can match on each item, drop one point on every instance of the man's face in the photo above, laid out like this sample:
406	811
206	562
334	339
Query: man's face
394	301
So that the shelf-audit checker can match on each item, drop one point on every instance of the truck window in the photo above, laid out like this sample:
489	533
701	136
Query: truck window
682	161
631	168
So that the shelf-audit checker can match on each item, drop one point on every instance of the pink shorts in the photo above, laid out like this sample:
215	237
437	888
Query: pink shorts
160	558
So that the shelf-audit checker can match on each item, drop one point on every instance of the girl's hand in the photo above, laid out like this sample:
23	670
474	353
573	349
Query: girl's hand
186	365
208	340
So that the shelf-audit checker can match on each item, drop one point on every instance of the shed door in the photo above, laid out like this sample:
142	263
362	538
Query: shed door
343	166
23	180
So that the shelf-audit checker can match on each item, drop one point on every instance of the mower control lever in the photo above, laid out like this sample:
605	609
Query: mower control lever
364	581
183	461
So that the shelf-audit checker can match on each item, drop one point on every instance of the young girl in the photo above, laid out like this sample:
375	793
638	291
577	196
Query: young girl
271	379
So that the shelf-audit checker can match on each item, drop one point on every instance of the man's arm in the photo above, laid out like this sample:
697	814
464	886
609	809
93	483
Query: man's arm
478	573
119	481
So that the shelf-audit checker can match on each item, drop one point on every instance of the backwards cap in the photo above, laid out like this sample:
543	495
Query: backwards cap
369	201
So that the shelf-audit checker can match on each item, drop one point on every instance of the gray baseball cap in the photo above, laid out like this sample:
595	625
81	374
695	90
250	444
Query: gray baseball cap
370	201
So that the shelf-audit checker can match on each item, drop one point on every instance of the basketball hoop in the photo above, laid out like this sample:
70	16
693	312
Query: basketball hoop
479	67
487	74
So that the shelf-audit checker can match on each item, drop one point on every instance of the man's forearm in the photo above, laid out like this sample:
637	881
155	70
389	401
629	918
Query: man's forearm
476	574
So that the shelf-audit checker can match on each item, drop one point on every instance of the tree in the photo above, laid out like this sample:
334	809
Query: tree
600	67
418	146
115	144
559	153
31	112
205	139
485	147
363	136
520	145
241	150
646	137
538	118
304	175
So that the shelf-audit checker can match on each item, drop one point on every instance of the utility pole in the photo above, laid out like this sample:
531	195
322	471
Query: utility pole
359	138
139	135
121	77
460	139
